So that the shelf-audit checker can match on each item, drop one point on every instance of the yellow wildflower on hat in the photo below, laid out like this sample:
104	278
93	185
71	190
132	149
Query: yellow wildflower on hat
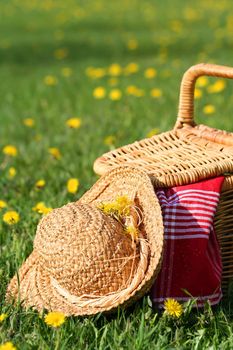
10	150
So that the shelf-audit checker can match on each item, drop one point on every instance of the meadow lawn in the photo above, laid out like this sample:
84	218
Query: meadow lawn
79	78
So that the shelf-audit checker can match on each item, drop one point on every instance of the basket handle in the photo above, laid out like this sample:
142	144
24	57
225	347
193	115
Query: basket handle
186	100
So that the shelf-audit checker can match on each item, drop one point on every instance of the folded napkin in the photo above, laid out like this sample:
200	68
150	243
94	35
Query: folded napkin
192	260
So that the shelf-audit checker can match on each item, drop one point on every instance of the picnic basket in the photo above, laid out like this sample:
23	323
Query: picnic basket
186	154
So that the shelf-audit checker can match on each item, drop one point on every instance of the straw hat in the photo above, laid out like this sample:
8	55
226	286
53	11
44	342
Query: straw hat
97	253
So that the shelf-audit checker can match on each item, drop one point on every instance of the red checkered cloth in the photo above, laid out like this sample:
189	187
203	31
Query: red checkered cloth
192	261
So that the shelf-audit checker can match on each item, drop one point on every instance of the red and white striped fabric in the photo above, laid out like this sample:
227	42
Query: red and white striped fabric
192	261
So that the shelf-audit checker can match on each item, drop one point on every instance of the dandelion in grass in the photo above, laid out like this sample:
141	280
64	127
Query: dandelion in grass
150	73
132	44
153	132
41	208
3	204
197	93
115	69
72	185
173	308
29	122
131	90
73	123
7	346
156	93
11	217
50	80
3	317
209	109
202	81
61	53
115	94
10	150
131	68
66	72
217	87
12	172
40	184
55	152
99	92
55	319
110	140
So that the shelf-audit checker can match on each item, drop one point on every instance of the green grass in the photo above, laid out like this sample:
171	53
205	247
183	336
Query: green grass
171	37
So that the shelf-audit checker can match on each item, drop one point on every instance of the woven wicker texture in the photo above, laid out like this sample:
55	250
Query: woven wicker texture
83	261
186	154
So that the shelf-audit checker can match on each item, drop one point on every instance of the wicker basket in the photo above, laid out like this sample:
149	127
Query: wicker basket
186	154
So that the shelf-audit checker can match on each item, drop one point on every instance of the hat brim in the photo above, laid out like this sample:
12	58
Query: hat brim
36	287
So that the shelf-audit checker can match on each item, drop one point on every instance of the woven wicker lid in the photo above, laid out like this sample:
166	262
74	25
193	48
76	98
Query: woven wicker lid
87	259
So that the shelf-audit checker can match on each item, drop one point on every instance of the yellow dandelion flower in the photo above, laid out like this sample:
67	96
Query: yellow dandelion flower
132	231
12	172
7	346
55	152
3	317
150	73
3	204
153	132
61	53
10	150
110	140
55	319
11	217
218	86
173	308
115	69
73	123
115	95
99	92
98	73
66	72
139	93
72	185
40	184
131	68
41	208
197	93
156	93
209	109
50	80
202	81
123	204
29	122
132	44
131	90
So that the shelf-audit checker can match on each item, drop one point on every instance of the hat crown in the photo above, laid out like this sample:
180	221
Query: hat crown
84	250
